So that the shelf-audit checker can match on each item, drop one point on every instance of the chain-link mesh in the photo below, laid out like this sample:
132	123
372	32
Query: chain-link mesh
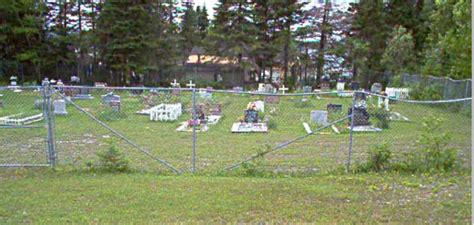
404	127
447	87
22	129
309	133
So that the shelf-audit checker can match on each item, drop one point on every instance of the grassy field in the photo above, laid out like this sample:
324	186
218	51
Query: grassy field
78	138
46	197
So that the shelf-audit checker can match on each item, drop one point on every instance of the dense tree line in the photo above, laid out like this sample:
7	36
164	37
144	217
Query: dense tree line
114	40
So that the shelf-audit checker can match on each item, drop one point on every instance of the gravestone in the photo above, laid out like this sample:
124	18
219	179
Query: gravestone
261	87
355	85
319	117
115	105
272	99
268	88
334	107
376	88
307	89
325	86
13	81
205	93
1	101
107	98
361	116
59	107
340	86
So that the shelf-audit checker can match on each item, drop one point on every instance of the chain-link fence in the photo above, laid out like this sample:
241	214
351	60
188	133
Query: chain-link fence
447	87
204	130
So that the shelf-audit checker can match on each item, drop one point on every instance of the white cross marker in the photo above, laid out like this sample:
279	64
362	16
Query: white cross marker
283	89
174	83
191	85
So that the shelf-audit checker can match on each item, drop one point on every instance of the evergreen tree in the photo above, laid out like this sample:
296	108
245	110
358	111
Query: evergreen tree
21	38
399	55
368	39
122	29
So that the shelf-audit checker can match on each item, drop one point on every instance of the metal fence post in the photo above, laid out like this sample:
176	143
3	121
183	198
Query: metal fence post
445	88
351	132
49	120
194	132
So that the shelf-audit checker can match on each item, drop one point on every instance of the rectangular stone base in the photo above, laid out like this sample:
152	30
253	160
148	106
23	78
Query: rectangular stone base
249	128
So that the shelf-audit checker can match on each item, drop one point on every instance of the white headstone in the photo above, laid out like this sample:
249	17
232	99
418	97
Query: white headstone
319	117
340	86
59	107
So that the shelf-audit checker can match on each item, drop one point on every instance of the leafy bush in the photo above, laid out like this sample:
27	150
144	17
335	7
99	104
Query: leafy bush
253	168
434	154
113	160
426	92
378	159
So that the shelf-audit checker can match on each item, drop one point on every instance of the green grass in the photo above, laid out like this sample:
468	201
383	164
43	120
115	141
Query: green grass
47	197
78	138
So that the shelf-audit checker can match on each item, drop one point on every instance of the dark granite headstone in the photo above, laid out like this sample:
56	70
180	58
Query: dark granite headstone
355	85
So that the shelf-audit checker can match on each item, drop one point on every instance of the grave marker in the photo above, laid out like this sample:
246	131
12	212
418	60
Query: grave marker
319	117
59	107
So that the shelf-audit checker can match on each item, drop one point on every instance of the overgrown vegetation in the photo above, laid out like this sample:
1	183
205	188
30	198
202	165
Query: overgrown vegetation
433	154
378	159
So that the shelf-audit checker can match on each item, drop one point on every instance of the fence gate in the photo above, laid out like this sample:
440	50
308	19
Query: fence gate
26	127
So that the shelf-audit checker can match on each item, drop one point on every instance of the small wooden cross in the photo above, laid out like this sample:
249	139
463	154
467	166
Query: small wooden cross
174	83
283	89
191	85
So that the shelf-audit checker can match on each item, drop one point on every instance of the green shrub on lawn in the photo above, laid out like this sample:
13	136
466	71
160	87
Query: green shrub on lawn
113	160
434	153
378	159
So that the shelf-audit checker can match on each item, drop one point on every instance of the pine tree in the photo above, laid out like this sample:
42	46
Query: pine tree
21	38
122	29
368	39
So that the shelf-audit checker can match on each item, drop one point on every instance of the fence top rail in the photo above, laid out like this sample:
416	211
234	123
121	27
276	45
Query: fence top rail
437	78
418	101
248	92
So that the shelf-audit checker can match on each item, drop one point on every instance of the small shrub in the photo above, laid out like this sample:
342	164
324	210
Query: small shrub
253	168
378	159
433	154
113	160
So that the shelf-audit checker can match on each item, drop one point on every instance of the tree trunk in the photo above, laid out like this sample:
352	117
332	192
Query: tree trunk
322	43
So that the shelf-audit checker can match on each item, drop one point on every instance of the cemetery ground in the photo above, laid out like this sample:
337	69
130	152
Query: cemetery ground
303	182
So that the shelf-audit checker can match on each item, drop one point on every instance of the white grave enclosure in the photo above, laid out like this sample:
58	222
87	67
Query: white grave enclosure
13	120
166	112
397	93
